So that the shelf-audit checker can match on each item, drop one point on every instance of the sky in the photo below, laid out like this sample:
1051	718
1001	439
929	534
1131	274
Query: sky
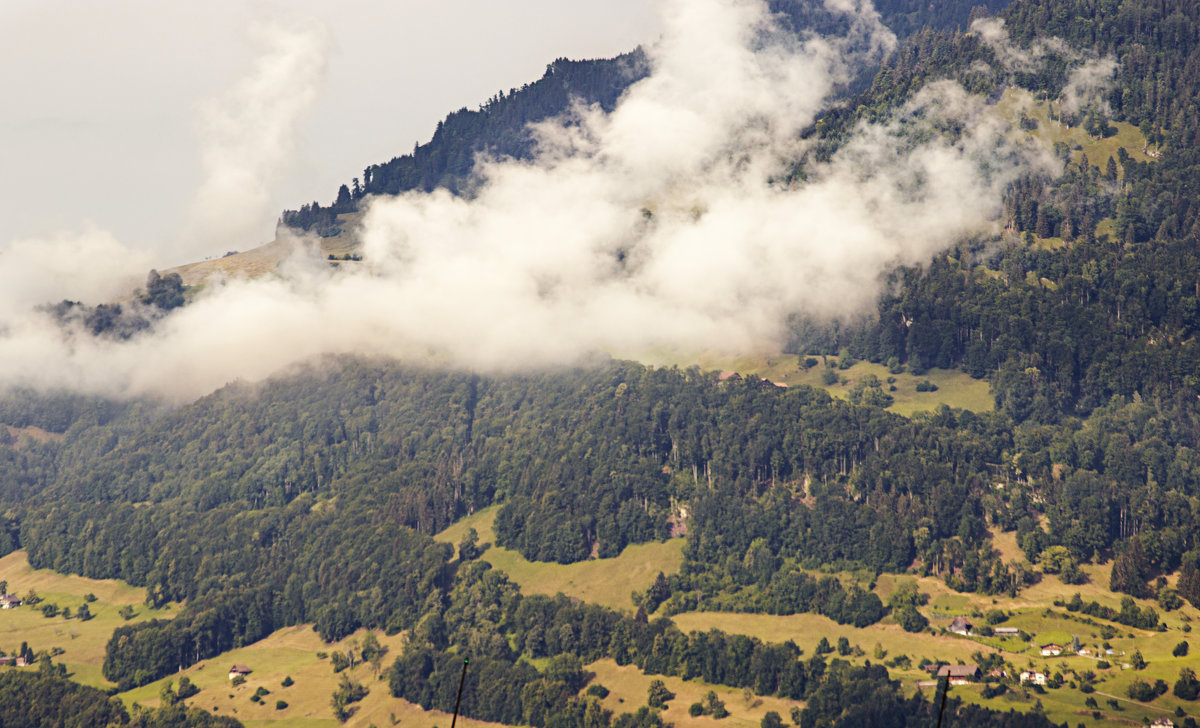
107	106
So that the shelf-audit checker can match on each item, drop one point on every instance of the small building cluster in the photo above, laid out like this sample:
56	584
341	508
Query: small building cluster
13	661
1051	650
1033	677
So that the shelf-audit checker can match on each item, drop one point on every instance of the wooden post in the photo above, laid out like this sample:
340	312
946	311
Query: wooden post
463	679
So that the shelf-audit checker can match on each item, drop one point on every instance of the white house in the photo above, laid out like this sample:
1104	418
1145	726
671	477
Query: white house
1033	676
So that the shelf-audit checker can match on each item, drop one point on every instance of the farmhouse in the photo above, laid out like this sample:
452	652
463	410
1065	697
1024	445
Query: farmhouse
238	671
1051	650
1006	631
1033	676
959	674
9	601
960	625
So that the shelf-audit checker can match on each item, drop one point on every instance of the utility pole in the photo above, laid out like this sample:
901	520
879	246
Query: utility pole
943	684
463	679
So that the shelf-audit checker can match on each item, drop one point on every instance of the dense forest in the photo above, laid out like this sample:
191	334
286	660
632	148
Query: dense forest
312	497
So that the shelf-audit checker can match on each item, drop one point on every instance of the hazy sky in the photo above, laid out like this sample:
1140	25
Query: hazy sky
102	120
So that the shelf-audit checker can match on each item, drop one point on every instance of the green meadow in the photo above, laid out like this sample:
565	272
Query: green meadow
609	582
82	642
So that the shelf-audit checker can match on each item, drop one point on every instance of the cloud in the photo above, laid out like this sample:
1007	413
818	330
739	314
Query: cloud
1087	84
1012	57
249	134
665	224
90	264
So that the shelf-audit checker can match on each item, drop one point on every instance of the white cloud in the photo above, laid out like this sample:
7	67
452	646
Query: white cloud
1087	84
654	226
250	133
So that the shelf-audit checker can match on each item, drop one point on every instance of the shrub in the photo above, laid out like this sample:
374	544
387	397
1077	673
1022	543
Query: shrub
771	720
1181	649
695	709
280	704
288	682
994	690
659	694
598	690
1142	691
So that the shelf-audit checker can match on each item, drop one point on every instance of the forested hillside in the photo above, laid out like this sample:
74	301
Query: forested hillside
313	497
500	127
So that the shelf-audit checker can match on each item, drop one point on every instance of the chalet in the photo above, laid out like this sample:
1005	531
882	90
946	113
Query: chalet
1006	631
997	673
21	662
1034	677
960	625
959	674
9	601
238	671
1052	650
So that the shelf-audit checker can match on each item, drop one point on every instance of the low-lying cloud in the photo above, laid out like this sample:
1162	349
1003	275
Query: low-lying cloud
249	134
667	224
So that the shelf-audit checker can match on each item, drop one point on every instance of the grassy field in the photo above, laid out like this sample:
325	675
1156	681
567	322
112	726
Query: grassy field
600	581
292	652
266	258
1052	132
628	688
806	630
954	388
1033	613
82	642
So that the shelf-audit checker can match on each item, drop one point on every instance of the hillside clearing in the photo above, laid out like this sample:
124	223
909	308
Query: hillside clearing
629	687
954	388
292	652
608	582
82	642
